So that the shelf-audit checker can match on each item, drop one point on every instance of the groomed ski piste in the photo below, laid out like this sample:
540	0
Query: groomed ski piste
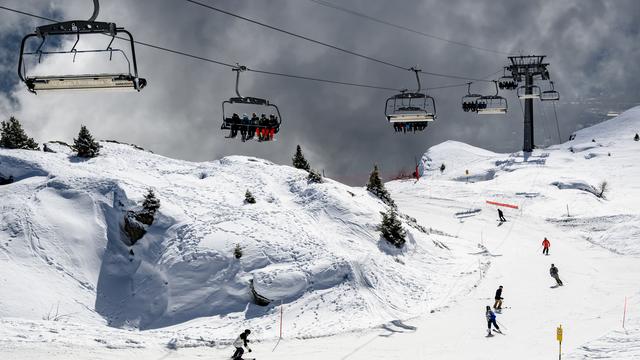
71	289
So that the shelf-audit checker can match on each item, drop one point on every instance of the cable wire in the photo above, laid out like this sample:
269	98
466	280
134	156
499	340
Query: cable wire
209	60
272	73
334	47
401	27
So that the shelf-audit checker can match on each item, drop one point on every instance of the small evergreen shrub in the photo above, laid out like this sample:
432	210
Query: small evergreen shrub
391	229
299	162
237	252
314	177
248	198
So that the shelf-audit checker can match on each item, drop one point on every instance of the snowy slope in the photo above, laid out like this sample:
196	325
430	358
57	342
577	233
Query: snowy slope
312	247
426	302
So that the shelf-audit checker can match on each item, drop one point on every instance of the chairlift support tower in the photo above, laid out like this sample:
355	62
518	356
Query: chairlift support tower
528	69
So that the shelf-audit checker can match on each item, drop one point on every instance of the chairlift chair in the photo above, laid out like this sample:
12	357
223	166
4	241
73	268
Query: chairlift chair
492	104
534	92
411	106
227	119
469	100
125	80
551	94
507	82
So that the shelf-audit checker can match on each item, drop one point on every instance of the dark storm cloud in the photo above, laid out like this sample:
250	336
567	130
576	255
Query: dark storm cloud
592	47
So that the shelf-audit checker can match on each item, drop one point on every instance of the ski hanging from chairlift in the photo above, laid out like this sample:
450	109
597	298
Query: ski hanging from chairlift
410	111
128	80
262	127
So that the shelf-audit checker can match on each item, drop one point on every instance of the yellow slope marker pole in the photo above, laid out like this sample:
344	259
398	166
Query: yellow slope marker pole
559	338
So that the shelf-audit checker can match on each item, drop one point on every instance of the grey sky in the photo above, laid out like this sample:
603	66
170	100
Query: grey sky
591	45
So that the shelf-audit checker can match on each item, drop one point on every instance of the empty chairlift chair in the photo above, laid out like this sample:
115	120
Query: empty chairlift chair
551	94
492	104
128	80
263	128
529	92
414	107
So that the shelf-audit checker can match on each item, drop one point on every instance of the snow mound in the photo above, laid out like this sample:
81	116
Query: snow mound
312	247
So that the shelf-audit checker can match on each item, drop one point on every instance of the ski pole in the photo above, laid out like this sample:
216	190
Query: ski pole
499	323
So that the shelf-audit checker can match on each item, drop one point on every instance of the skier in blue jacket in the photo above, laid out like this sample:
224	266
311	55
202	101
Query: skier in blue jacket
491	319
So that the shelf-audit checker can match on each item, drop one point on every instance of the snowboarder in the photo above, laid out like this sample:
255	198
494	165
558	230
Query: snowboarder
554	274
239	343
498	304
491	319
501	216
545	246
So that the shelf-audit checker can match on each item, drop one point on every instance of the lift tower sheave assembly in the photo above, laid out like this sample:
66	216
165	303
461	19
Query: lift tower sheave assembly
527	69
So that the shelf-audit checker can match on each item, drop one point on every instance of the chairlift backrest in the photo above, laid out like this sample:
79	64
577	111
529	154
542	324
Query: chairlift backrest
528	92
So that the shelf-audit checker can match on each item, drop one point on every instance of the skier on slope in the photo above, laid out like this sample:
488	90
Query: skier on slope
491	320
554	274
545	246
501	216
239	343
498	304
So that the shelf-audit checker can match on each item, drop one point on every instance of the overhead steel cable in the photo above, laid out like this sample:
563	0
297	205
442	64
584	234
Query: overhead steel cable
209	60
334	47
217	62
401	27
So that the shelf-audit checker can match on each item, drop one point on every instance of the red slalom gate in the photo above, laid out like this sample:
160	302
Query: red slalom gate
502	204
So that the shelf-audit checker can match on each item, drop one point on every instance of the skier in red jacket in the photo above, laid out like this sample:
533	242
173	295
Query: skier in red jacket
545	246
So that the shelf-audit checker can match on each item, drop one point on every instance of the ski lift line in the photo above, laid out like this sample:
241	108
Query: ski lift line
201	58
353	53
221	63
368	17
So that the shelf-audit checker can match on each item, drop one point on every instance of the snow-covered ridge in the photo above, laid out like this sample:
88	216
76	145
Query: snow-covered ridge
313	247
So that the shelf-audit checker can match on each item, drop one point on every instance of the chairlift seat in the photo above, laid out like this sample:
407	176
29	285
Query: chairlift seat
420	117
535	92
492	105
551	95
85	82
493	111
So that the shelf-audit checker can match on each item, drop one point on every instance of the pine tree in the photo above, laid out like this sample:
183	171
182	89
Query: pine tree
248	197
150	206
376	187
637	137
151	203
314	177
391	229
85	145
12	136
299	162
